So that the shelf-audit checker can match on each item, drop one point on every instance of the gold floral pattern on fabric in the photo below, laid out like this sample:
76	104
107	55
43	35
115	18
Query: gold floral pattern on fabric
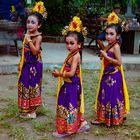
108	107
69	114
101	108
110	81
62	112
24	92
119	107
35	91
111	115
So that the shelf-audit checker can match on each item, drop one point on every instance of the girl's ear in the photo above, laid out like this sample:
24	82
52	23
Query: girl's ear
79	45
118	37
39	26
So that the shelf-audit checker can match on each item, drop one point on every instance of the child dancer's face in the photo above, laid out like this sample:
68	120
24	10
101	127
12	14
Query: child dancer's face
71	43
32	24
111	35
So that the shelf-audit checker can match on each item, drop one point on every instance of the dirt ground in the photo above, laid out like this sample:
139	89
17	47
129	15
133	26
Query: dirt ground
14	128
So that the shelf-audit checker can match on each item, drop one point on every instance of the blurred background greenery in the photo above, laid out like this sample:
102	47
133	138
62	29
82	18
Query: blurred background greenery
60	12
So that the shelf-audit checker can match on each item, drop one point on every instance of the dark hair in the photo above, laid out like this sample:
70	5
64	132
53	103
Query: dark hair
79	37
117	28
39	17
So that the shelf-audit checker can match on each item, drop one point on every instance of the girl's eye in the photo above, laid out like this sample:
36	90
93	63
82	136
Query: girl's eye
33	22
111	33
71	43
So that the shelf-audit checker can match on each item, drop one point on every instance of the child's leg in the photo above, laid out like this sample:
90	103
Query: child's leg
84	127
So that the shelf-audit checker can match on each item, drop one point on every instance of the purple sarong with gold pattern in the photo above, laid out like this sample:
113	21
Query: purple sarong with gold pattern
68	116
110	100
30	81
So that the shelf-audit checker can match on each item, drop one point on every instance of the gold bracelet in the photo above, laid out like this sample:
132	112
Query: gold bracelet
111	61
64	74
29	41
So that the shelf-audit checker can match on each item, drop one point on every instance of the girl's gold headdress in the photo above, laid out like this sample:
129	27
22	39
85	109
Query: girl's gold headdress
113	18
75	25
40	8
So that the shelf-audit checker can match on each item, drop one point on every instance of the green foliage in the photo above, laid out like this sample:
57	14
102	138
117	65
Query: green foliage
134	3
56	17
60	12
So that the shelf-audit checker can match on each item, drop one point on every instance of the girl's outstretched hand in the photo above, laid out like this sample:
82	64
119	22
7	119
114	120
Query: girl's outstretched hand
56	73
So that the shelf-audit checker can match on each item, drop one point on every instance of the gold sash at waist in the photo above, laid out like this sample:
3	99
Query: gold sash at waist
66	79
116	70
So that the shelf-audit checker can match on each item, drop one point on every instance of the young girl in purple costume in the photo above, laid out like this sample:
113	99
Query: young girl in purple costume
112	101
30	68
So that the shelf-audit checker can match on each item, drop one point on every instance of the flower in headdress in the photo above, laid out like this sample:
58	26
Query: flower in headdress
113	18
65	30
75	25
40	8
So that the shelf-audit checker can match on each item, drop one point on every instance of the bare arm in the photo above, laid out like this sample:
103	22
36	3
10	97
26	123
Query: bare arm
117	60
74	63
34	44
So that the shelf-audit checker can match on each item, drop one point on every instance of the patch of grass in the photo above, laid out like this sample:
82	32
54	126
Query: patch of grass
47	137
133	91
90	83
51	92
5	99
18	132
11	110
5	124
43	126
45	111
1	117
42	111
39	126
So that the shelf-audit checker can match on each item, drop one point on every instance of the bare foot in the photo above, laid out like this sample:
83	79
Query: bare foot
28	115
95	122
57	135
84	127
